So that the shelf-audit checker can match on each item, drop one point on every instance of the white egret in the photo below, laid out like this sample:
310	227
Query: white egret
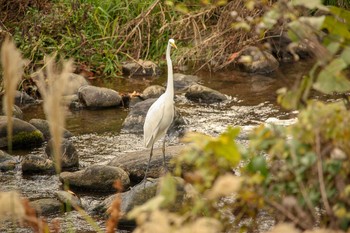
161	113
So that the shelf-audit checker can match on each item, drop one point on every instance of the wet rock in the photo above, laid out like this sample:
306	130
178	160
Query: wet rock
135	163
140	68
253	60
137	196
284	49
17	111
25	135
22	98
68	198
43	126
134	121
183	81
69	157
36	164
99	97
153	91
7	162
75	81
47	206
202	94
96	177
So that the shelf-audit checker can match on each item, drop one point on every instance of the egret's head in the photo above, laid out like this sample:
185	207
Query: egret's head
172	43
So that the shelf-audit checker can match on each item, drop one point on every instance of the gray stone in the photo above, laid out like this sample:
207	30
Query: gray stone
25	135
99	97
75	81
68	198
47	206
22	98
69	156
7	161
153	91
137	196
140	68
260	62
202	94
134	121
16	111
36	164
135	163
43	126
183	81
96	177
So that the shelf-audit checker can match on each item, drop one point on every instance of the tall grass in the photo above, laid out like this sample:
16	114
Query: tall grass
52	87
12	65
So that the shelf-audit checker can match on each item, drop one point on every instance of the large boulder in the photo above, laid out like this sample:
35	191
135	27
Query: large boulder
140	68
99	97
202	94
36	164
253	60
134	121
69	155
135	163
43	126
7	162
24	135
96	177
183	81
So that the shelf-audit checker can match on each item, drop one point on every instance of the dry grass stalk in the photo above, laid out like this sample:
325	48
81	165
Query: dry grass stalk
52	88
114	210
11	207
12	64
39	225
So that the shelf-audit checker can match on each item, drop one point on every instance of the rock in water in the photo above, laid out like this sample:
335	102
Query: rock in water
25	135
202	94
135	163
36	164
153	91
99	97
133	123
43	126
140	68
69	156
254	60
96	177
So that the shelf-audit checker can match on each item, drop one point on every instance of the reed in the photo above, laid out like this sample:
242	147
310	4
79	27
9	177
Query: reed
12	65
52	87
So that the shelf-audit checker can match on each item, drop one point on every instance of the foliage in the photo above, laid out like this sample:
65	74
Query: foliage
299	173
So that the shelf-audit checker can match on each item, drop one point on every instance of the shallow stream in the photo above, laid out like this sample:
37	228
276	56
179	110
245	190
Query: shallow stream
98	135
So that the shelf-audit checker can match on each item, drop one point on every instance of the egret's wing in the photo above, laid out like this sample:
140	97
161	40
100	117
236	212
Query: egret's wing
152	121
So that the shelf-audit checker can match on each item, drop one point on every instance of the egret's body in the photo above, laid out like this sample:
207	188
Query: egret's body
161	113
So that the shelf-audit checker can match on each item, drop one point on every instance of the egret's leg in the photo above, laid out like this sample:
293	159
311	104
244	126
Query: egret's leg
149	162
164	163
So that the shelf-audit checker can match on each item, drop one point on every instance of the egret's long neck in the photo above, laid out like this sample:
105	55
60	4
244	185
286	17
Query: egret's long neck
170	83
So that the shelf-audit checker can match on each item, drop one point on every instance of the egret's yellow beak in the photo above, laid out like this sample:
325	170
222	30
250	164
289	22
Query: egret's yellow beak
173	45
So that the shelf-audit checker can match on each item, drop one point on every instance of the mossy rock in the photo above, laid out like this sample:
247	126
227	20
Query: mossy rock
24	135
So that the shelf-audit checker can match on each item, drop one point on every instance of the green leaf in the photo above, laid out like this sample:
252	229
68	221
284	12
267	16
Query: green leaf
330	79
258	164
341	13
168	189
336	27
310	4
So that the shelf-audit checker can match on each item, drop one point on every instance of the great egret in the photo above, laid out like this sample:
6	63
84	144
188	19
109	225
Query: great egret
161	113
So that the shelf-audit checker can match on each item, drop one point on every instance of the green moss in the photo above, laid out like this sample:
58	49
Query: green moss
27	139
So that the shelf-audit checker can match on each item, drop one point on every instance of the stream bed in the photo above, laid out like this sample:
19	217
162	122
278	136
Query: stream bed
99	137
